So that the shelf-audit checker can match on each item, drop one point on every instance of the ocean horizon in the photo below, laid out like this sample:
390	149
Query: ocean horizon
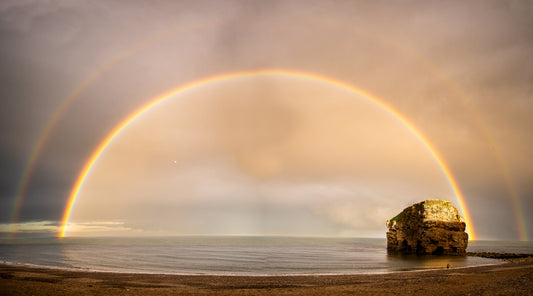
235	255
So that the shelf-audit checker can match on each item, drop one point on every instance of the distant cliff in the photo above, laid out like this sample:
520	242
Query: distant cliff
428	227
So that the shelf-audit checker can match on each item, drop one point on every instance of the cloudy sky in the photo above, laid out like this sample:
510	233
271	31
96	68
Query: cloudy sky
264	154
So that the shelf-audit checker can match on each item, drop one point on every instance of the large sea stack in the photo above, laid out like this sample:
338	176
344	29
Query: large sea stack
429	227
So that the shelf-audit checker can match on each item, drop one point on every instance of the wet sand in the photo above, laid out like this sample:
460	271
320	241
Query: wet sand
509	278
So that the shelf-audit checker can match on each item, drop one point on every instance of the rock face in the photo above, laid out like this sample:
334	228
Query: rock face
428	227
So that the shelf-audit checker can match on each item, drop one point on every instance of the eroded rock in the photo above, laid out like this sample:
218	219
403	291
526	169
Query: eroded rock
429	227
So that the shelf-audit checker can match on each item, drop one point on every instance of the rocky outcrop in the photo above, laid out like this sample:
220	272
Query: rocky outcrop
429	227
495	255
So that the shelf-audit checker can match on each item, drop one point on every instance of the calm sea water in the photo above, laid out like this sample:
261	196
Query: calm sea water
234	255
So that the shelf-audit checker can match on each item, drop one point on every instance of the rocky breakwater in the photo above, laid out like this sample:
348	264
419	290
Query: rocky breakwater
428	227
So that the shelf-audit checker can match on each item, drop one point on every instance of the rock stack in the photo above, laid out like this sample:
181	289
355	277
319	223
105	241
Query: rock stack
428	227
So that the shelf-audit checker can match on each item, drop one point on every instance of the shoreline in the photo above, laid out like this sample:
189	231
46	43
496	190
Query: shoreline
66	269
514	277
75	270
501	257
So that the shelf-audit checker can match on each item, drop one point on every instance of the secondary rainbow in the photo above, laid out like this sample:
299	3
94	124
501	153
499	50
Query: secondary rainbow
66	103
153	102
454	87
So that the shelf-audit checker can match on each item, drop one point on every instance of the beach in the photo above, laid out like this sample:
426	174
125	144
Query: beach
513	277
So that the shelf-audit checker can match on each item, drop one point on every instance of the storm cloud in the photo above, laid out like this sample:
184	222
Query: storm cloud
460	72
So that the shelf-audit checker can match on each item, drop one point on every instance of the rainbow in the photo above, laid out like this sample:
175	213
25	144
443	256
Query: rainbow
56	117
65	104
42	140
153	102
44	136
495	150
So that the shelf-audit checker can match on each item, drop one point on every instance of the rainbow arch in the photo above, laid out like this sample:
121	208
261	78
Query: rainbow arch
454	87
65	104
153	102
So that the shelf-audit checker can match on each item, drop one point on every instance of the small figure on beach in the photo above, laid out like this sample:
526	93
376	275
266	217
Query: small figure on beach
448	265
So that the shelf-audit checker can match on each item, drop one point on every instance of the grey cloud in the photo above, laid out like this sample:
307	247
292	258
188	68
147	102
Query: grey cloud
433	61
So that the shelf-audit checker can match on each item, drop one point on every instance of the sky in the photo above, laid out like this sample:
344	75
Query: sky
276	154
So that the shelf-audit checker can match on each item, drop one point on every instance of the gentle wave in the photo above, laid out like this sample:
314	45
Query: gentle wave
234	256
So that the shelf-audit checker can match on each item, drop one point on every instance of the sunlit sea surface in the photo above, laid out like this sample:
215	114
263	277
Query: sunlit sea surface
234	255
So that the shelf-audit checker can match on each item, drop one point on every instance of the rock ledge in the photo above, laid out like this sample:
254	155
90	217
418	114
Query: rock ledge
429	227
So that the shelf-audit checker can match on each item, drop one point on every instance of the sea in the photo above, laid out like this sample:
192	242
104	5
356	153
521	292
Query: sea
234	255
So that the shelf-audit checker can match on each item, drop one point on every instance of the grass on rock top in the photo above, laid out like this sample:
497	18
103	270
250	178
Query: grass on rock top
401	217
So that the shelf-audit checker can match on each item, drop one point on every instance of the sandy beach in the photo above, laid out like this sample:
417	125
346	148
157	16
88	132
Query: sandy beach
509	278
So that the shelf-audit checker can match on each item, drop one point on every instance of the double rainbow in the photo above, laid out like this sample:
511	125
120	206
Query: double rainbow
331	23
